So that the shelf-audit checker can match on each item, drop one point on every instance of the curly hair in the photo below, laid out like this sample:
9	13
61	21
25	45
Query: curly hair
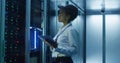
70	10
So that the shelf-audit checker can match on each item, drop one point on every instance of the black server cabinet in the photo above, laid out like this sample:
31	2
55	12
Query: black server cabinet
15	31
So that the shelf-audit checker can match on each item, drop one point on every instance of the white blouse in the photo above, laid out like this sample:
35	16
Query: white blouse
67	39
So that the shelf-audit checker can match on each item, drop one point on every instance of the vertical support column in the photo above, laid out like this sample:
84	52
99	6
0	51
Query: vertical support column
104	40
27	40
0	30
56	13
2	26
44	30
104	33
84	42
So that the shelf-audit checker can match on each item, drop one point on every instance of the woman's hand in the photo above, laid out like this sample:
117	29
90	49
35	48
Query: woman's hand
50	42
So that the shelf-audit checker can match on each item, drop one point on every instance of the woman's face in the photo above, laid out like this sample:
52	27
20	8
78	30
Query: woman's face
61	16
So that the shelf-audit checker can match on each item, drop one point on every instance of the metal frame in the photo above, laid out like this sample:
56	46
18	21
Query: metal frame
27	34
104	41
84	44
44	30
98	12
104	34
2	25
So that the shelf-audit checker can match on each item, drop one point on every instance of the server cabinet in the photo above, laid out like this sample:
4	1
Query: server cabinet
38	25
15	31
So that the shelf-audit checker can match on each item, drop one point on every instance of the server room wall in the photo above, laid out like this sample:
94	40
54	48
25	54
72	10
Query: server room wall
112	38
99	50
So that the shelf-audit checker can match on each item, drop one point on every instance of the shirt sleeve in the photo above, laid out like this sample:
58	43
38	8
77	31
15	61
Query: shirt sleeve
72	48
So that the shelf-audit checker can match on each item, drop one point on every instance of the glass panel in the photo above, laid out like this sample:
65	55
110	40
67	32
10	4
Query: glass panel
94	4
112	38
94	39
112	4
80	3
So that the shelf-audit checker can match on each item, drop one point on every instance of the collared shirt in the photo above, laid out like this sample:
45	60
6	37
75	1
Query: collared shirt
67	39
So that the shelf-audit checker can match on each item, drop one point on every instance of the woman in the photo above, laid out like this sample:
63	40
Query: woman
65	43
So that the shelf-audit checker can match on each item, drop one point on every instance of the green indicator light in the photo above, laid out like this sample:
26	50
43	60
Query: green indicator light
5	32
5	47
11	33
11	19
12	6
10	47
10	61
15	47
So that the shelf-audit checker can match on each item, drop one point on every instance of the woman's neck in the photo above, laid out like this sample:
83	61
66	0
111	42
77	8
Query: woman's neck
65	23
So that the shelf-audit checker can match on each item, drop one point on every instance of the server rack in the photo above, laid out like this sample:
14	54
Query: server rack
14	34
